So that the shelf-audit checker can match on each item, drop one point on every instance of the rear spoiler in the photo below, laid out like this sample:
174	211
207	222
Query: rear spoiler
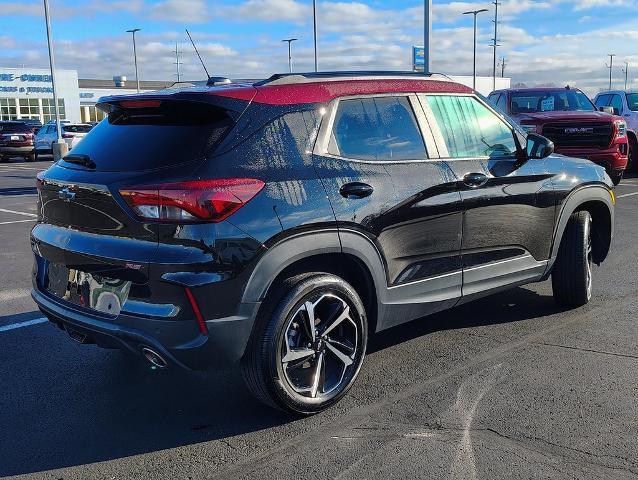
217	96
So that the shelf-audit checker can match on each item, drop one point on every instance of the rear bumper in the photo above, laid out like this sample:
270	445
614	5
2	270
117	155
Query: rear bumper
179	342
8	150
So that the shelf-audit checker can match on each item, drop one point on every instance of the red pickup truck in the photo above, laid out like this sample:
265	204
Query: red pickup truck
569	118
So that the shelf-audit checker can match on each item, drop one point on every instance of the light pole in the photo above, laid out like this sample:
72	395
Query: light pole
59	147
626	72
495	44
137	78
314	27
289	40
475	13
427	35
610	66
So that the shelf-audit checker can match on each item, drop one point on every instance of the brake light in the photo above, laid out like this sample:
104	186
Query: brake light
140	103
191	201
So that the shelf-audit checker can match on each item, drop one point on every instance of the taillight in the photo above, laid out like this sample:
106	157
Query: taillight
191	201
67	135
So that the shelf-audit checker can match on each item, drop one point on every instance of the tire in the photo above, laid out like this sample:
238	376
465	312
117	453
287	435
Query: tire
616	176
35	155
30	158
318	372
632	160
4	159
572	273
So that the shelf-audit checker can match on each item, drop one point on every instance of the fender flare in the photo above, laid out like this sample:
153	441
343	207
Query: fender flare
587	193
309	244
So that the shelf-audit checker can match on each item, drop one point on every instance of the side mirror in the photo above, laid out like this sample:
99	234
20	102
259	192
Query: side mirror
609	110
538	146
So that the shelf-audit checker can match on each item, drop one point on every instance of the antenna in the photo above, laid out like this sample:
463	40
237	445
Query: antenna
197	52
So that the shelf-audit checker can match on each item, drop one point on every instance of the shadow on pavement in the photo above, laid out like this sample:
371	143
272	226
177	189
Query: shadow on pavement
64	404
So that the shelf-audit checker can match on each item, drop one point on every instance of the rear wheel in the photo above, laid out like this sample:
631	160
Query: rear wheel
30	158
308	344
3	159
572	274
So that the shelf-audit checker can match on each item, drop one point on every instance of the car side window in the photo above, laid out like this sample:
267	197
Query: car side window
377	128
616	102
494	98
470	129
502	103
601	100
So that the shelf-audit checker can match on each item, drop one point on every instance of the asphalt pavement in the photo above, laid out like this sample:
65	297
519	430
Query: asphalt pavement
509	386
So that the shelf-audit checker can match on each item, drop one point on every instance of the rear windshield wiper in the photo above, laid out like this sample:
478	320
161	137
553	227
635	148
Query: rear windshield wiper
79	159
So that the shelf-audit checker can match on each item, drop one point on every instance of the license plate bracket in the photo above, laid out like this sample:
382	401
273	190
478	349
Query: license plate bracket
88	290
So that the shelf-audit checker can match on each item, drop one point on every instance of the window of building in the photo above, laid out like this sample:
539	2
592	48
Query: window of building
8	109
471	130
90	113
48	110
380	128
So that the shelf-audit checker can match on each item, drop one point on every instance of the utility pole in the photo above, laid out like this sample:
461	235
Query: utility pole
495	44
59	147
610	66
289	40
475	13
427	36
177	62
137	78
626	72
502	64
314	27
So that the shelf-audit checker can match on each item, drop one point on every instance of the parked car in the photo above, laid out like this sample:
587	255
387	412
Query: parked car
72	133
620	102
279	224
16	140
569	118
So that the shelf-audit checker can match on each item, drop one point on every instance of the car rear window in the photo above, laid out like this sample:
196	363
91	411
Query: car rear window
77	128
14	128
172	133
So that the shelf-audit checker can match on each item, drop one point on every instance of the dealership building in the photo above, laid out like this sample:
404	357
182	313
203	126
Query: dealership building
28	93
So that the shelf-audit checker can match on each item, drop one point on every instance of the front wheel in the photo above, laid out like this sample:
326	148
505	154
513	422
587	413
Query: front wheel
616	176
572	274
308	344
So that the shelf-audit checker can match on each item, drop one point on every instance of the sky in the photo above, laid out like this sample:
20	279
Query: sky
544	42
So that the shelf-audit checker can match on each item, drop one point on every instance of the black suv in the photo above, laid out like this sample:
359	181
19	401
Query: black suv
16	139
281	223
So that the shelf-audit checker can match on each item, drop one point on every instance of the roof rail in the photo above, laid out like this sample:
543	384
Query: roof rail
312	77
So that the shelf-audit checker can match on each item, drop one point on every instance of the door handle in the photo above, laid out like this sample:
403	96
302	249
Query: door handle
356	190
475	180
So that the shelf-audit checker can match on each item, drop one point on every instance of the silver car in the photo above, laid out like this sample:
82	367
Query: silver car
72	134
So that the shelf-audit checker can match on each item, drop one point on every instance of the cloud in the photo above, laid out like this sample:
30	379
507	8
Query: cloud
269	11
185	11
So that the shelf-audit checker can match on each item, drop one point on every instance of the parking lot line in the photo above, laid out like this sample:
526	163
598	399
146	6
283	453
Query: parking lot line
18	221
28	323
627	195
18	213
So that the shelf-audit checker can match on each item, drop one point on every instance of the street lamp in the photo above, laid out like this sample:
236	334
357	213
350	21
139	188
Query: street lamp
475	13
137	78
59	147
289	40
427	35
314	26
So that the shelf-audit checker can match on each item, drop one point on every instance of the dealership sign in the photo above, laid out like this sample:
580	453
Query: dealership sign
418	59
25	78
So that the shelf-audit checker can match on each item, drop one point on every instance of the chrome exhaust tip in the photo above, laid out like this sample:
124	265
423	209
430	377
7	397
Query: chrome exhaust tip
154	358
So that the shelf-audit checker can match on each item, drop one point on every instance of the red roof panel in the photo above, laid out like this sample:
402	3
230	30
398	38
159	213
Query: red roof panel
321	92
